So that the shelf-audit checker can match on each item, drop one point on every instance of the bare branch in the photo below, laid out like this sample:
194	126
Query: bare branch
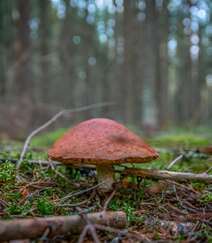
73	194
108	200
165	174
83	234
60	225
52	120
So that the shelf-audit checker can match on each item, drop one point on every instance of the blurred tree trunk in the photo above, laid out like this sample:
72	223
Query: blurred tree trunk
23	81
2	51
108	69
66	57
132	78
191	72
183	93
2	74
89	53
199	74
44	31
150	63
184	81
161	49
6	44
106	85
89	83
118	91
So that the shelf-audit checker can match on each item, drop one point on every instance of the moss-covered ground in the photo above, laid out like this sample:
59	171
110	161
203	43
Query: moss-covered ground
146	202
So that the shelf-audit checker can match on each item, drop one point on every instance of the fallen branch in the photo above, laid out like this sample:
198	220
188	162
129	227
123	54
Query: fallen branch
52	120
59	225
44	162
165	174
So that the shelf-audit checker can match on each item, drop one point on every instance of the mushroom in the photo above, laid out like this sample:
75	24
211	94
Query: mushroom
103	143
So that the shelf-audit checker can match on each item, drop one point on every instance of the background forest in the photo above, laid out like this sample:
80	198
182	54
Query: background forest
152	58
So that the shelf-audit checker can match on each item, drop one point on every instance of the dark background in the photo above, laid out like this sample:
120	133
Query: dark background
152	58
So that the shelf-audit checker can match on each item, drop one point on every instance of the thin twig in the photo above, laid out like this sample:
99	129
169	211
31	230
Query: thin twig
174	161
83	234
52	120
166	174
44	237
208	170
89	227
108	201
72	194
79	203
73	204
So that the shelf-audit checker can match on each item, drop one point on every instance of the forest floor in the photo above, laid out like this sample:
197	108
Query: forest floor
158	210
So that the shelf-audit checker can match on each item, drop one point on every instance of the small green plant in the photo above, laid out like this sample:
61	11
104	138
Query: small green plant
206	198
129	211
200	186
45	207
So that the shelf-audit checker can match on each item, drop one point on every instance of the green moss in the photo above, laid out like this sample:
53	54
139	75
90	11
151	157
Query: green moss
13	196
45	206
206	198
16	209
129	200
7	172
180	139
199	186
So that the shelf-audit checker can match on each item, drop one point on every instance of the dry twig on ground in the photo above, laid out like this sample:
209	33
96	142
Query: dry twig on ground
60	225
171	175
173	162
89	227
74	194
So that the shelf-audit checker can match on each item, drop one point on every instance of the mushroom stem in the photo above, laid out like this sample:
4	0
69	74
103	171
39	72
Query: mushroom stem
105	173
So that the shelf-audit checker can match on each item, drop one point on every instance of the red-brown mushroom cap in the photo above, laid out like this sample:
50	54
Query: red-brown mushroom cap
101	141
